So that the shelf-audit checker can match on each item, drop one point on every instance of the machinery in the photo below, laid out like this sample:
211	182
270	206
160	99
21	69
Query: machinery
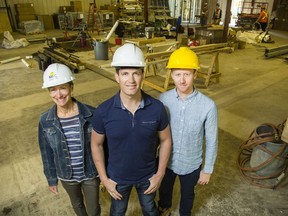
263	37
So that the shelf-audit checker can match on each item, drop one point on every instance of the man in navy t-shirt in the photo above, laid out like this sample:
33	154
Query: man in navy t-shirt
134	125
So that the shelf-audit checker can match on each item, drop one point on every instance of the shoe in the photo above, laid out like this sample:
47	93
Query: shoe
164	211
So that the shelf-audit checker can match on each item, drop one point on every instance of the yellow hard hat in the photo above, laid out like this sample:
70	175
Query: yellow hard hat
183	58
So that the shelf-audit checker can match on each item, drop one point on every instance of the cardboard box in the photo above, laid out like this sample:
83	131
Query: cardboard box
76	6
77	3
65	9
25	17
19	5
76	9
24	9
47	21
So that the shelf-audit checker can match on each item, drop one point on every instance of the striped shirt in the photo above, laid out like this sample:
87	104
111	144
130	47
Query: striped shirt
71	129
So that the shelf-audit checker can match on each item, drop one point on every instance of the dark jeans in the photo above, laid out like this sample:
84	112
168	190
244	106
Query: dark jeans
187	184
203	20
119	207
263	26
88	190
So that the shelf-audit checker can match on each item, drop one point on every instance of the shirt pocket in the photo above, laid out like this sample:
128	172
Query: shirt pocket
50	131
149	127
51	135
149	123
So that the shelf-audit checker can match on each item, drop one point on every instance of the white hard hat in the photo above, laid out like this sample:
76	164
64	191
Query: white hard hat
56	74
128	55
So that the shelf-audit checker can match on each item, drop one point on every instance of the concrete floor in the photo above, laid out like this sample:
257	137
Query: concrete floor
252	90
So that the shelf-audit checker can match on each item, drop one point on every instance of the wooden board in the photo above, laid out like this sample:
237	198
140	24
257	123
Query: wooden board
144	41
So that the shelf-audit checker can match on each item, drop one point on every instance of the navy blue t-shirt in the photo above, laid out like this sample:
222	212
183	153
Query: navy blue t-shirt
132	140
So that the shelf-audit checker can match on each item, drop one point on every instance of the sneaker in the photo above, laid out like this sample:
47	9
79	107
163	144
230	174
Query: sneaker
164	211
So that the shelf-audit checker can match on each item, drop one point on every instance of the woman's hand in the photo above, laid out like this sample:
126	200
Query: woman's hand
54	189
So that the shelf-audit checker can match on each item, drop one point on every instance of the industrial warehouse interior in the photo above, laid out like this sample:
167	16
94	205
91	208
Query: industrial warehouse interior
242	68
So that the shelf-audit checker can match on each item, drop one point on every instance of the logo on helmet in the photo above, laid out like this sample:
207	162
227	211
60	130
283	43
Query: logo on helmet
52	75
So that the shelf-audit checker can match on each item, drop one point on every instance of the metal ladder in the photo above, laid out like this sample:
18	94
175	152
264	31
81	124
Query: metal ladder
94	21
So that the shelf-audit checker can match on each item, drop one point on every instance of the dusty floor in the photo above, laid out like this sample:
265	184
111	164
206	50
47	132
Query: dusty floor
252	90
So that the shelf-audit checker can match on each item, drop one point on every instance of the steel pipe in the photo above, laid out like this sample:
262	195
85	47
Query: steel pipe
111	31
267	50
71	65
25	63
10	60
276	53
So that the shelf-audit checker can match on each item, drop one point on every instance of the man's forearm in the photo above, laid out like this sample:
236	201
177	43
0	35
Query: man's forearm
98	154
164	154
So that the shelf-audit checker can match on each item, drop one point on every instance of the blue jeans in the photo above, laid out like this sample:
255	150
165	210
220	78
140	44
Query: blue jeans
187	184
86	190
119	207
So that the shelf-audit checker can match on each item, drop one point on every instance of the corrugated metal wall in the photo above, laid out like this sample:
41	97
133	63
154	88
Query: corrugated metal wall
49	7
52	6
45	7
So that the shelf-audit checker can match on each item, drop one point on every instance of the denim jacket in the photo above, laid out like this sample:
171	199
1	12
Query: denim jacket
53	145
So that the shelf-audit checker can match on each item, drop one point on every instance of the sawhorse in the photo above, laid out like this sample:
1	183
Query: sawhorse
164	83
155	62
210	71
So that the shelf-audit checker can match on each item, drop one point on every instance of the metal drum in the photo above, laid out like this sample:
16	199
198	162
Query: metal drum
101	50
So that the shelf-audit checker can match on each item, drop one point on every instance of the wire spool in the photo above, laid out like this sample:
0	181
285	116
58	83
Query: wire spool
263	156
268	159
